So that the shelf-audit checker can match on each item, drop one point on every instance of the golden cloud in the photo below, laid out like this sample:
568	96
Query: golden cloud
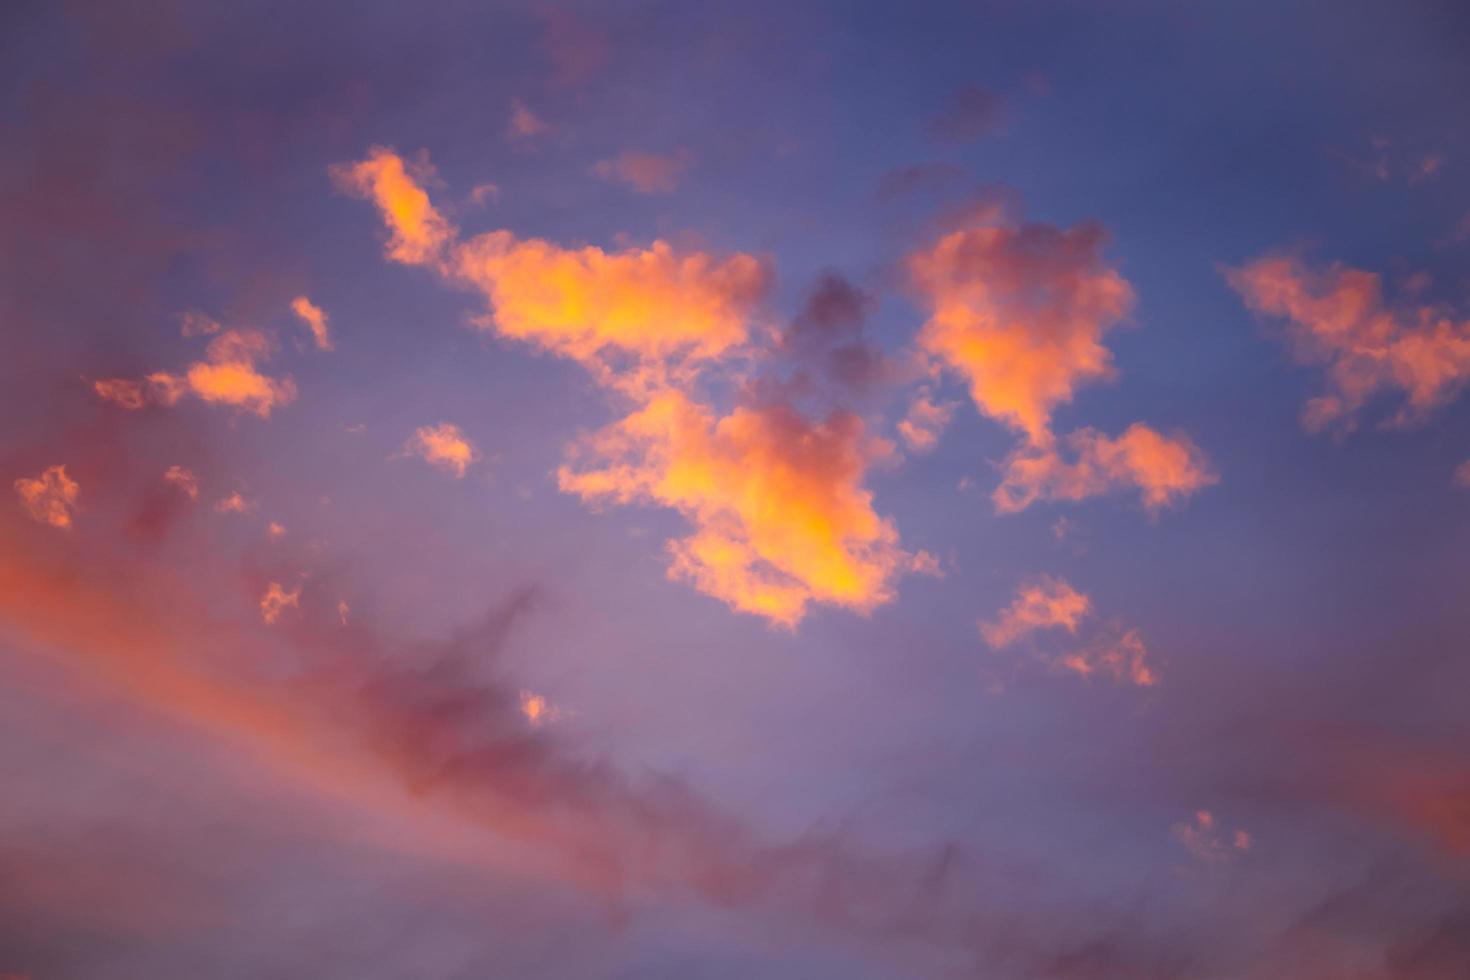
49	497
780	516
419	232
780	513
1337	317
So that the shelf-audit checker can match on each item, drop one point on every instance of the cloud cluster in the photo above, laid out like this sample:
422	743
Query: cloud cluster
780	514
50	497
228	375
1337	317
1048	603
1020	311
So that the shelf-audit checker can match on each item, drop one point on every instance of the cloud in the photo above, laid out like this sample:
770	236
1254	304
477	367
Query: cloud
419	232
1337	317
780	513
776	499
655	305
227	376
1123	657
973	112
524	124
315	320
196	324
184	480
1020	311
1209	842
1163	468
1046	603
50	497
444	446
1462	475
925	420
646	173
233	504
276	600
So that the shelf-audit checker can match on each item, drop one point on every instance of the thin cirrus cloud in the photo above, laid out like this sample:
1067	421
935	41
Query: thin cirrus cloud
647	323
315	320
228	375
1337	317
50	497
443	446
1020	311
646	173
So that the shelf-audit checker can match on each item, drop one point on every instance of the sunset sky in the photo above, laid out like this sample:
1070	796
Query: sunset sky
721	490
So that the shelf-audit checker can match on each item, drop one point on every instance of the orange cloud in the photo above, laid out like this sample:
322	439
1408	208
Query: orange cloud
1337	317
596	307
646	173
1044	604
1462	475
184	480
925	420
445	446
315	320
780	516
276	600
1163	468
1021	313
419	232
1123	658
227	376
50	497
780	513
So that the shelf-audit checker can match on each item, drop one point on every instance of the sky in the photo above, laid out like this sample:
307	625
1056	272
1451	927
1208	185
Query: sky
740	489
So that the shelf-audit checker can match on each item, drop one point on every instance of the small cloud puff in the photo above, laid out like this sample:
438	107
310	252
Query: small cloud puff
444	446
276	600
315	320
50	497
